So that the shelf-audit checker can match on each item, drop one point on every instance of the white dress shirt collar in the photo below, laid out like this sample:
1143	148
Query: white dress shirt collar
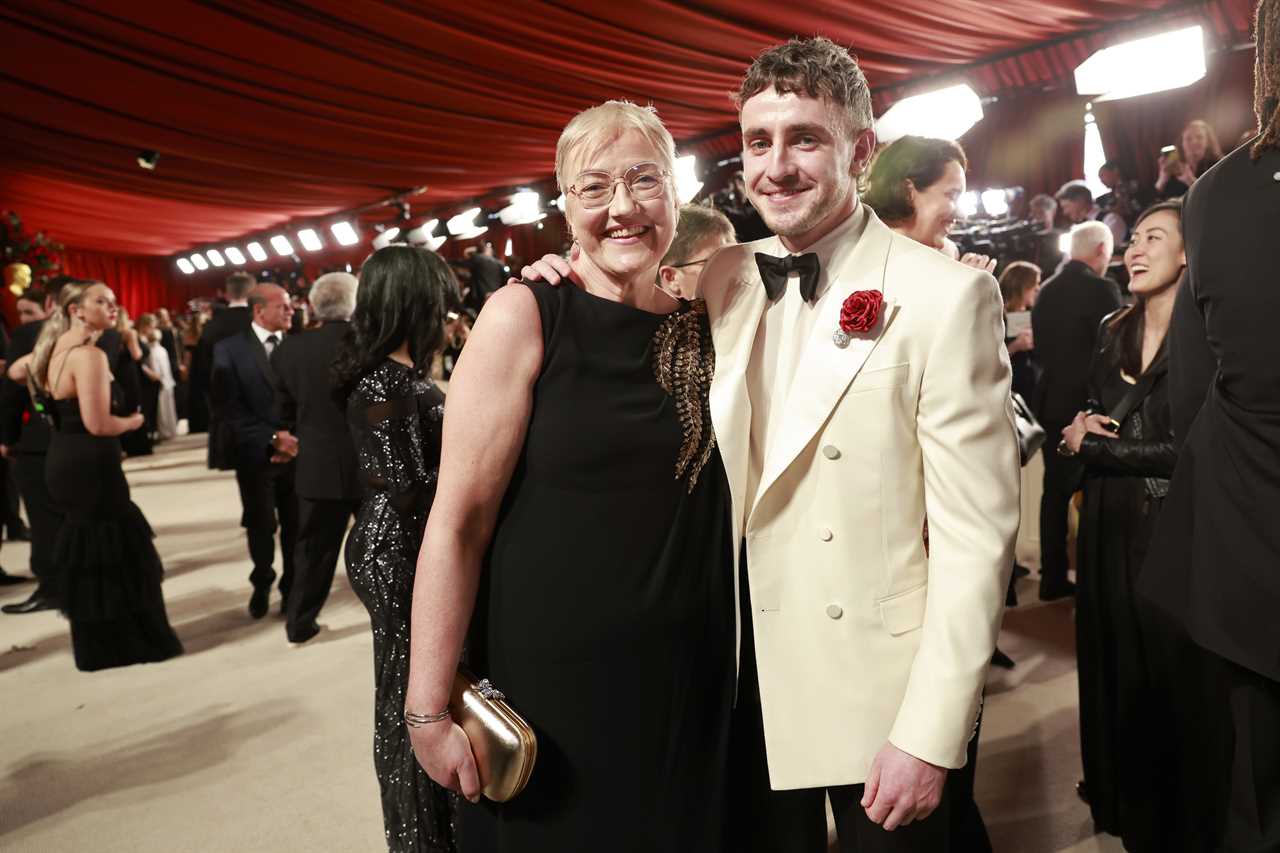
834	248
263	334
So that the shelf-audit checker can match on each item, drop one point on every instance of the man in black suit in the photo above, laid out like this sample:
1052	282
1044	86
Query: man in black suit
1064	323
488	274
327	477
24	439
1213	568
232	320
248	438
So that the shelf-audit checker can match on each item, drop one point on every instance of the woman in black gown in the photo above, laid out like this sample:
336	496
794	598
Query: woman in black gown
395	413
111	573
594	501
1125	685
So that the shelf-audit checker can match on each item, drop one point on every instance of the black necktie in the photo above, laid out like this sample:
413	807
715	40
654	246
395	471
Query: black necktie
271	342
774	272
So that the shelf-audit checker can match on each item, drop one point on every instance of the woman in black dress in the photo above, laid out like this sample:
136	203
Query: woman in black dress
395	413
588	504
111	573
1128	452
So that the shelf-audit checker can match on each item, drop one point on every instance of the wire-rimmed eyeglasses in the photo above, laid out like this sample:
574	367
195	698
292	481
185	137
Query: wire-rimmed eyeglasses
596	188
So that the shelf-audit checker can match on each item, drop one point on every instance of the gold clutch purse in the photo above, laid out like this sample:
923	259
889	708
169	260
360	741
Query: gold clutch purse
504	744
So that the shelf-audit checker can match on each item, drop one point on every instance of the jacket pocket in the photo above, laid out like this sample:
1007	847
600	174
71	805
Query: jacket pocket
882	377
904	611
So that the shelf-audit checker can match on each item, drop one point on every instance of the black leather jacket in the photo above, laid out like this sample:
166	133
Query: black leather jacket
1145	447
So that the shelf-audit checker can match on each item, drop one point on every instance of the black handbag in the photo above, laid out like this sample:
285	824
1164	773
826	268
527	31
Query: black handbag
1030	433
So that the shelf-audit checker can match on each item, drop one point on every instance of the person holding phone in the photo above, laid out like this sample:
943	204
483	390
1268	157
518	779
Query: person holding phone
1179	165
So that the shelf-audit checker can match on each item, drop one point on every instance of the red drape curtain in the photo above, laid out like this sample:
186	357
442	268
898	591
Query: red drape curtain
1135	129
141	283
1034	141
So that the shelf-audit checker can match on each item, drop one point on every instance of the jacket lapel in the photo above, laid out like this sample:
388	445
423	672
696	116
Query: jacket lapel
735	319
825	370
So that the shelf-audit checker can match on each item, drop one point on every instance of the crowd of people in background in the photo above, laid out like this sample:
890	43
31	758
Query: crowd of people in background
324	404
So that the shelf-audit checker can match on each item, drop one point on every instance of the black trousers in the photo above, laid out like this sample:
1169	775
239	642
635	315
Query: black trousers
761	820
9	483
322	524
43	516
268	501
1061	476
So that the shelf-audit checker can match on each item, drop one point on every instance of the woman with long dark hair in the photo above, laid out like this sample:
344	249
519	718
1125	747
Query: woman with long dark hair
110	571
1126	444
395	413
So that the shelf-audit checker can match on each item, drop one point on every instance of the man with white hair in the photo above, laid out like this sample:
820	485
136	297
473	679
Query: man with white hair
327	478
1064	323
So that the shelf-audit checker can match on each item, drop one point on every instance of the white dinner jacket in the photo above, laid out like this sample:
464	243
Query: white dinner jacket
860	635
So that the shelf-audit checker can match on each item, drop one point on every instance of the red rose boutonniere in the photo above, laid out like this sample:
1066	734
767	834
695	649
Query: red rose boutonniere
859	313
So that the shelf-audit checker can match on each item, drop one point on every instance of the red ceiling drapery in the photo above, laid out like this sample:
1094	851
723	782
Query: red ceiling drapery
264	111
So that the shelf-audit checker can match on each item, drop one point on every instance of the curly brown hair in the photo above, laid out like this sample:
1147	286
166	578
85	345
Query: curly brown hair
816	67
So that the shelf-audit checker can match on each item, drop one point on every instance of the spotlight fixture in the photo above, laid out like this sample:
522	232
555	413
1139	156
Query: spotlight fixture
185	266
944	114
525	209
687	183
310	240
148	160
282	245
386	237
256	251
215	258
995	202
1167	61
199	261
967	204
234	255
422	234
463	226
344	233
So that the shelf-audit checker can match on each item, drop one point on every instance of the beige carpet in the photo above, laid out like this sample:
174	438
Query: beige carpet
248	744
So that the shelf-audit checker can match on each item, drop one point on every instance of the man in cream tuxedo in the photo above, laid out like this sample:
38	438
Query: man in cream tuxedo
864	648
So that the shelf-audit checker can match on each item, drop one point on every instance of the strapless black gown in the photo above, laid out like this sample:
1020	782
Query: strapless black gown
606	608
109	569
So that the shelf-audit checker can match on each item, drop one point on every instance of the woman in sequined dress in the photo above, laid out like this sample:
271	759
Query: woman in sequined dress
395	414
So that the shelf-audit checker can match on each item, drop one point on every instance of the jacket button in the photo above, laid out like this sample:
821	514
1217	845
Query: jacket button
824	534
834	611
831	451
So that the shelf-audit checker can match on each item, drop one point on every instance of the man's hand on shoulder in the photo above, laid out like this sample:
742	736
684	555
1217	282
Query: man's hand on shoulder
901	788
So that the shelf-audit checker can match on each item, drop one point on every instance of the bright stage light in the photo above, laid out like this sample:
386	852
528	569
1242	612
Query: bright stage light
944	114
234	255
507	252
185	266
256	251
199	261
995	202
525	208
1094	157
215	258
282	245
1167	61
310	240
1064	243
344	233
421	235
384	239
687	183
967	204
465	223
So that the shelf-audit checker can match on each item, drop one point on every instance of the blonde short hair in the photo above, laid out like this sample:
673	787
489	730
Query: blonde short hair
1086	236
600	125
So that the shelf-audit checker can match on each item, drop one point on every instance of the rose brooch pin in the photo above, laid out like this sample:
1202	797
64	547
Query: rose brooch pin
858	314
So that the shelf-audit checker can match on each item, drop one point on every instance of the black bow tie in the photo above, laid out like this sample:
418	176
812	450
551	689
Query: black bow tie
774	272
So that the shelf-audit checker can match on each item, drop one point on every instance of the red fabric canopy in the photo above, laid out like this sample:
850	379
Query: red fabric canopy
265	111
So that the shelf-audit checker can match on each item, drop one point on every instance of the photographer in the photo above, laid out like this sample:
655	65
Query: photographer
1195	152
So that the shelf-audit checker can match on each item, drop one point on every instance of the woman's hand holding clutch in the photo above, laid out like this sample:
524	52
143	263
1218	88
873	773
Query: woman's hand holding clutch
444	752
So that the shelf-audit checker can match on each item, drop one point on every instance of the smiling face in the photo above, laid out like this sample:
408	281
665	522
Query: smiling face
800	165
97	308
1155	259
626	238
1195	143
935	206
